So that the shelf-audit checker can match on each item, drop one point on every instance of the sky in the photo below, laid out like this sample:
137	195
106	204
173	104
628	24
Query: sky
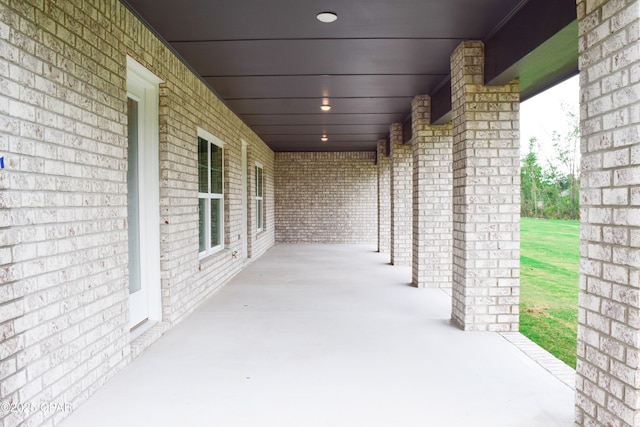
542	114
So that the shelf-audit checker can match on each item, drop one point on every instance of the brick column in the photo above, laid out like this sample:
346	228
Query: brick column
401	197
486	196
384	197
608	368
432	198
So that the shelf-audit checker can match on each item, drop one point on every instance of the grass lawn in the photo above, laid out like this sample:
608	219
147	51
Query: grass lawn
549	261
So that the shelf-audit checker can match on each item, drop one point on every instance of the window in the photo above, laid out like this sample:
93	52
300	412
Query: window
210	192
259	198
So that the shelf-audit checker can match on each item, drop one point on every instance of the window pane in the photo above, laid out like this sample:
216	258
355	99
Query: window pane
216	238
201	223
259	181
133	204
203	184
259	212
216	169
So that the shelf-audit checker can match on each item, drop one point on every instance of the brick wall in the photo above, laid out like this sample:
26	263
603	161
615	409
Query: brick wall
432	198
384	197
326	197
401	197
486	196
63	229
607	386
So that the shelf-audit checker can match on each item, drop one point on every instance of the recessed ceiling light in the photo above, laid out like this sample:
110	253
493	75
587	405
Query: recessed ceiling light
325	107
324	138
326	17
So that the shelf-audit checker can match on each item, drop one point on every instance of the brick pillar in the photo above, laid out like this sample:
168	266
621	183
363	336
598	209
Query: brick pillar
401	197
608	368
384	197
486	196
432	198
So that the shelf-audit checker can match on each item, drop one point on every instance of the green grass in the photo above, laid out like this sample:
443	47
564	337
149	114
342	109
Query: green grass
549	261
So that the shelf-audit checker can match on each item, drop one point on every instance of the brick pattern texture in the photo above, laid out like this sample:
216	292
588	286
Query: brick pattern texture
432	264
384	197
401	197
486	196
326	197
608	380
63	229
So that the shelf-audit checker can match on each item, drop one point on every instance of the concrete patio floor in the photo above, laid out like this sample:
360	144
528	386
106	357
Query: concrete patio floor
328	335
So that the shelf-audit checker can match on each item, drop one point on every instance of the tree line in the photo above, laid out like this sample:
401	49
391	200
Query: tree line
550	188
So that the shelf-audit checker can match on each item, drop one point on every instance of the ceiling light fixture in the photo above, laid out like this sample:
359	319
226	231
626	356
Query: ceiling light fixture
326	17
325	107
324	138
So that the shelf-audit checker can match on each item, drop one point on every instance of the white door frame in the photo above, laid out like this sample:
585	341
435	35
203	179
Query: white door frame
142	85
245	216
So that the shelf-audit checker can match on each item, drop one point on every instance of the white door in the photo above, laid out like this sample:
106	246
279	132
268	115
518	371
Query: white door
245	216
143	198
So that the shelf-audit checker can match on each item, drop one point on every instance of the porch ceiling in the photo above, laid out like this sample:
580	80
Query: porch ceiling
273	63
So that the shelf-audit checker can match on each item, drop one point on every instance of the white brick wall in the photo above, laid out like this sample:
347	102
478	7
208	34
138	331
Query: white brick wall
486	196
401	197
432	198
63	231
384	197
326	197
607	387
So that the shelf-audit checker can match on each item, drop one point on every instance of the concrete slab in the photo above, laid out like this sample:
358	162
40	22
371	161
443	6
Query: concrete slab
328	335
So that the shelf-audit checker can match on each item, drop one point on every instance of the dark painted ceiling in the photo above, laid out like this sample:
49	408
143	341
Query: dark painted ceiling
274	63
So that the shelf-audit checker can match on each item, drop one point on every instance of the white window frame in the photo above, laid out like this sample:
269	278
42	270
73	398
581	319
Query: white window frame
208	196
259	199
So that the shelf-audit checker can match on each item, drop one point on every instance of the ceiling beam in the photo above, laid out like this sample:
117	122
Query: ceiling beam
441	104
538	46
